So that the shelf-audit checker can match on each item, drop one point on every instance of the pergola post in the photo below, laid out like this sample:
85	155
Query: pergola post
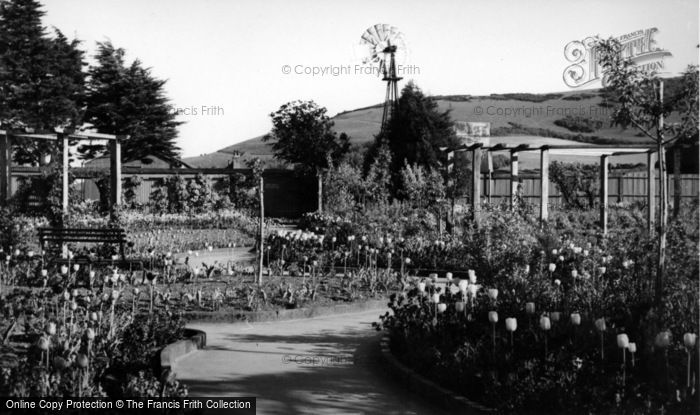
5	168
604	162
261	249
544	183
115	171
514	179
651	191
677	188
489	189
65	160
476	183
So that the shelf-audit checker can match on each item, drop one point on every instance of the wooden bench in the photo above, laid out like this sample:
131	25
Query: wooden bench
61	236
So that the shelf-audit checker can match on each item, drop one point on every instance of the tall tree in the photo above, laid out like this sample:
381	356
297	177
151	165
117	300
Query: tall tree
128	99
302	134
416	132
42	82
641	104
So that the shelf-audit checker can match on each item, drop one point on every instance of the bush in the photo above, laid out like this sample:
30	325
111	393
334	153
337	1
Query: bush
579	124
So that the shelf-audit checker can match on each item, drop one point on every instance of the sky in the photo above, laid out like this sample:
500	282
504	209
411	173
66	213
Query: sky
225	61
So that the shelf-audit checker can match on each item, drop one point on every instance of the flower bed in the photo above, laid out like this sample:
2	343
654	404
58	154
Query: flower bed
555	323
83	343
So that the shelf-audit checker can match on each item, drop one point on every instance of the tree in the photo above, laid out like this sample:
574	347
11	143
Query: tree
302	134
42	83
416	132
127	99
641	104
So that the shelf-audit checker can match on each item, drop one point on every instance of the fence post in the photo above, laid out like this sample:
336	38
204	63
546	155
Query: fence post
651	191
544	183
5	168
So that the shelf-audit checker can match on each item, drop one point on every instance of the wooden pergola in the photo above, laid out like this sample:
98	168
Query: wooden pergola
62	139
602	151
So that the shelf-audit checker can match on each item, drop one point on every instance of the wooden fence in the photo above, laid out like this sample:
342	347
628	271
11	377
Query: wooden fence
622	187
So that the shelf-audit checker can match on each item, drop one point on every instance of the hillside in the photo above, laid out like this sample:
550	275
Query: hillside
581	116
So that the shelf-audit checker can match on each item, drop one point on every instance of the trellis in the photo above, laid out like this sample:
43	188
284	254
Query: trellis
602	151
62	139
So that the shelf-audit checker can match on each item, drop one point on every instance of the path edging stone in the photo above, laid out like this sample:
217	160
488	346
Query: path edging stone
194	340
285	314
429	389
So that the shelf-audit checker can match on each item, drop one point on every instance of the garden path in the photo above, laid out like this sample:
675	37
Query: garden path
324	365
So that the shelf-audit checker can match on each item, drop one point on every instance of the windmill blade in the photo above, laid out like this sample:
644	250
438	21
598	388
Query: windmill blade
368	38
374	31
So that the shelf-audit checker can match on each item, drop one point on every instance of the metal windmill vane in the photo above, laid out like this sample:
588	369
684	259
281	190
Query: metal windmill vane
383	43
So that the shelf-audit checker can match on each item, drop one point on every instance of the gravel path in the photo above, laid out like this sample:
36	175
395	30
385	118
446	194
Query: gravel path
326	365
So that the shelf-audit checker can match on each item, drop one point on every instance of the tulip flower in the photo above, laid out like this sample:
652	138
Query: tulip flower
421	287
530	308
663	339
448	276
436	298
493	318
460	306
552	267
632	347
576	319
463	284
574	273
545	325
64	270
472	276
511	326
44	273
600	326
555	316
623	343
493	293
689	340
50	328
441	307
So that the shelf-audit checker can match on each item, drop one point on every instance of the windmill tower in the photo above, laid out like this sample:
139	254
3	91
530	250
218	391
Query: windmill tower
384	45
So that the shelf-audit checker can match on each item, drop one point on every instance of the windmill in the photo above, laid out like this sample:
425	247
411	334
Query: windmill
383	44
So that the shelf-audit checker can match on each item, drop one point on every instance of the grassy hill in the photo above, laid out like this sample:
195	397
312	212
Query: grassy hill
573	116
